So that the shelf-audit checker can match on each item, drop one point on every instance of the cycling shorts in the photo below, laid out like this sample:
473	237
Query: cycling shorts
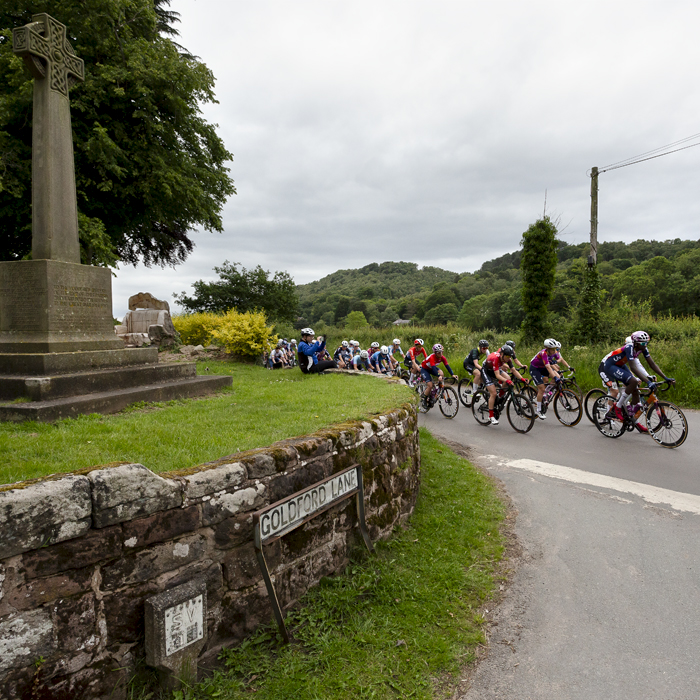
539	375
469	366
428	374
608	382
488	377
621	374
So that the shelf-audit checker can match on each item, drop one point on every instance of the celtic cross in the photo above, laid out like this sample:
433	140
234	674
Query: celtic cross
52	62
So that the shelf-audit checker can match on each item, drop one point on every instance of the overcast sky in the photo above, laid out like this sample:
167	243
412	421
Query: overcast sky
429	132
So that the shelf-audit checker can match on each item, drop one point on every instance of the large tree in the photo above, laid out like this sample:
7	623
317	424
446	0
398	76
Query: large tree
538	265
244	290
149	167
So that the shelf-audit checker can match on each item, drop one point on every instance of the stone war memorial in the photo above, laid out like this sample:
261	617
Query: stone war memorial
59	354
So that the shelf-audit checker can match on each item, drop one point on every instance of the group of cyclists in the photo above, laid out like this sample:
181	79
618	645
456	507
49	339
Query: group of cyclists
283	355
620	370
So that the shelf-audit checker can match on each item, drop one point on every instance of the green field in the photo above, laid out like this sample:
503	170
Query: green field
260	408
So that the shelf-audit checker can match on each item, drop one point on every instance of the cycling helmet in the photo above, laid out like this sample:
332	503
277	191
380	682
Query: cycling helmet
280	342
511	343
293	340
397	341
374	345
508	351
552	344
483	343
345	344
307	331
384	350
437	347
418	341
640	337
364	354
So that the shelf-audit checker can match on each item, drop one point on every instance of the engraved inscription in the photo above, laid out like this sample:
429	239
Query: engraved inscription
80	308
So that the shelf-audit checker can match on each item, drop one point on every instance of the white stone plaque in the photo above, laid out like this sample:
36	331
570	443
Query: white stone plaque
184	624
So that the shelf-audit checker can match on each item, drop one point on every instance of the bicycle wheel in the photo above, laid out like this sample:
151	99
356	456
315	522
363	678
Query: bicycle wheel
567	408
667	424
589	400
480	407
520	412
607	424
448	402
465	391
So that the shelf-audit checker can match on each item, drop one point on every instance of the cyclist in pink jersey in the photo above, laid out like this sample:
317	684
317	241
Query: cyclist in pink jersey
544	366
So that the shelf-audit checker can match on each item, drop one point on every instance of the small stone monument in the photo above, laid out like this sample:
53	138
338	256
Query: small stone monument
176	631
58	347
147	322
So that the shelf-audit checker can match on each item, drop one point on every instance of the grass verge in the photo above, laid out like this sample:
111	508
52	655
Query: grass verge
260	408
398	624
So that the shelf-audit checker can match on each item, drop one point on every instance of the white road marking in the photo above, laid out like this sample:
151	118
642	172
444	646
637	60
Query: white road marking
686	502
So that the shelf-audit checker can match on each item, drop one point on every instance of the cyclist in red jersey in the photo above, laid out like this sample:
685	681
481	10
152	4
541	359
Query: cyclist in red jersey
429	369
413	356
492	375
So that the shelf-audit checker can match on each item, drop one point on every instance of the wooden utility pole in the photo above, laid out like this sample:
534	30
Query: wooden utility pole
593	257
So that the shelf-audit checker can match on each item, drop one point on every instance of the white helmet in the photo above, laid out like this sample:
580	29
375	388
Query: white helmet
397	341
552	344
374	345
307	331
418	341
356	343
280	342
345	344
364	354
384	350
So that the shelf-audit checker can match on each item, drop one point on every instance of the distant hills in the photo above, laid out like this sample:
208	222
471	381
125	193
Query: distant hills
667	273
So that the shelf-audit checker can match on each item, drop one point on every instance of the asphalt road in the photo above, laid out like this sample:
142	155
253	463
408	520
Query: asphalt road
605	600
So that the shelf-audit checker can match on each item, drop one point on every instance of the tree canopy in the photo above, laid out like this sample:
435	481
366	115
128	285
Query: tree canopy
149	167
244	290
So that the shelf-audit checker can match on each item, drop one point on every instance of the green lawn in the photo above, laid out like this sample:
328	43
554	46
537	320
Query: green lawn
399	624
260	408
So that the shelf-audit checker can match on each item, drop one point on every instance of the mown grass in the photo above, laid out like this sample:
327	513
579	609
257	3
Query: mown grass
260	408
398	624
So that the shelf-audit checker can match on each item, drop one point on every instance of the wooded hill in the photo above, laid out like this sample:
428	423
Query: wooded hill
665	273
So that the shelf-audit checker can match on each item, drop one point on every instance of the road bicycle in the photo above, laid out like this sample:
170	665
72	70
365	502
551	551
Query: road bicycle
444	396
567	405
518	408
665	422
570	384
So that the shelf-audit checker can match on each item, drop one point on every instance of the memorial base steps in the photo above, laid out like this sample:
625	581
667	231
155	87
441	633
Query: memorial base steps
111	401
57	386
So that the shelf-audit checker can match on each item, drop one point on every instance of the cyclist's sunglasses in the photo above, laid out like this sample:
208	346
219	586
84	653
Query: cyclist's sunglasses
643	343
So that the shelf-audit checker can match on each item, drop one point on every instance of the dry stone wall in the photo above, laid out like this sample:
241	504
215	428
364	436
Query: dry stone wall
80	553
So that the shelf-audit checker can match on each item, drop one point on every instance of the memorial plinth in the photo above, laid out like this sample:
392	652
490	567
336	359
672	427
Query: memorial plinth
59	354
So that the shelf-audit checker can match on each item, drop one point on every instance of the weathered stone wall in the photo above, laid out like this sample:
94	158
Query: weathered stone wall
80	553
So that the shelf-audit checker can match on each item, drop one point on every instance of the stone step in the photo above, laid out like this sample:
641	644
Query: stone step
111	401
56	386
40	364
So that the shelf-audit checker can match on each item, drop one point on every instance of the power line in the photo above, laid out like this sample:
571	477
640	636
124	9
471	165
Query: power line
650	155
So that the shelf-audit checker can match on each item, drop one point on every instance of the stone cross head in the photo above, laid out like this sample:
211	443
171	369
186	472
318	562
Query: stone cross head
46	52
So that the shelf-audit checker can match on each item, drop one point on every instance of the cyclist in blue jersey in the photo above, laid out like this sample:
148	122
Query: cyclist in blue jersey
308	351
615	367
361	361
380	360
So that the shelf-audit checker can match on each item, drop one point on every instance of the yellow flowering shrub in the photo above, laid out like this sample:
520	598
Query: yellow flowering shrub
246	334
196	329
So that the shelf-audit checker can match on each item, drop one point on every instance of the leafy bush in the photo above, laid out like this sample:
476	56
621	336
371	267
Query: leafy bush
196	329
244	334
